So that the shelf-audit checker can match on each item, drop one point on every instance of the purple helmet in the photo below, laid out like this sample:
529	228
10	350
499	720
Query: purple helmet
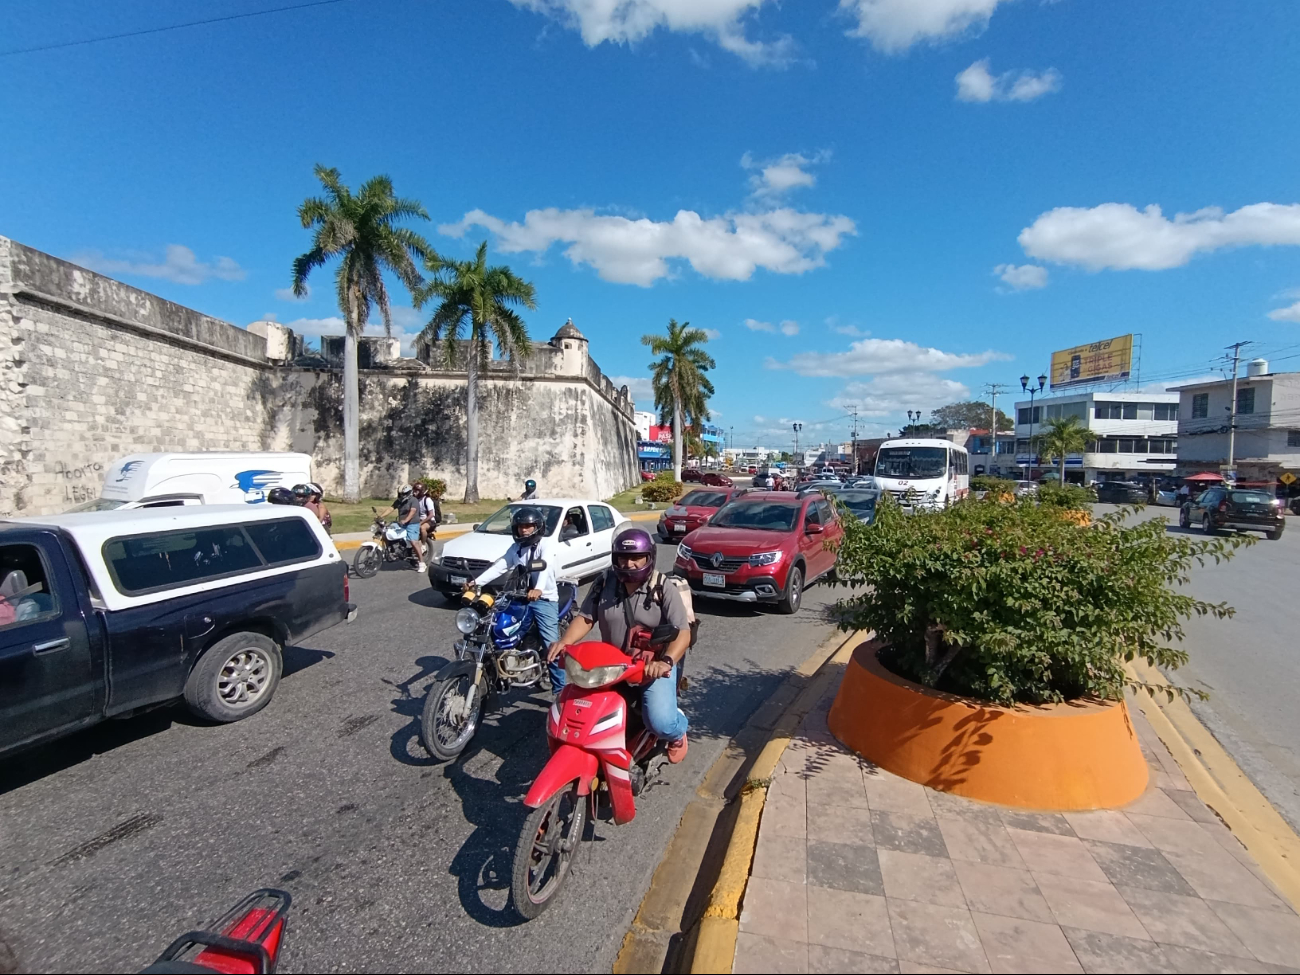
633	543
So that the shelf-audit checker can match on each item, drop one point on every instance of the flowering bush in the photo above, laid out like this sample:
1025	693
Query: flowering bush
1010	603
1069	496
437	486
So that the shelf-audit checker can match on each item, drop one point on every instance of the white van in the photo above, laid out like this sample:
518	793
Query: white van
212	477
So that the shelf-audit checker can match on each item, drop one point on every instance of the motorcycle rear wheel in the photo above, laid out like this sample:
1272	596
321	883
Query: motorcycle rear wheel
366	562
546	848
445	732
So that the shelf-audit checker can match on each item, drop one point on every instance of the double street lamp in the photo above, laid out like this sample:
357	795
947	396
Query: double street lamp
797	427
1024	385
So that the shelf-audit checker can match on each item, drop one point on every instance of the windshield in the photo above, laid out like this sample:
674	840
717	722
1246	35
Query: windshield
767	515
1250	497
912	462
99	504
861	503
703	499
499	523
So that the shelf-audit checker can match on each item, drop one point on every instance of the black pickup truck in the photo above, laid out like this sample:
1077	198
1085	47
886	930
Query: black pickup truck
106	613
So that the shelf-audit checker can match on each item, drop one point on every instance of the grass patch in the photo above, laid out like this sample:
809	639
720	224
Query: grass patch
357	517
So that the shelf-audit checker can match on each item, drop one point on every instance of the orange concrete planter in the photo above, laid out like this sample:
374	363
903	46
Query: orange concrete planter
1081	755
1081	518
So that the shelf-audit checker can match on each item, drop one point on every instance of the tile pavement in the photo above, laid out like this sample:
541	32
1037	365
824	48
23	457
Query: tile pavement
857	870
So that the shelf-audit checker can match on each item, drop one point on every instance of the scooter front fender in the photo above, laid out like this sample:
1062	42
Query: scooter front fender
566	763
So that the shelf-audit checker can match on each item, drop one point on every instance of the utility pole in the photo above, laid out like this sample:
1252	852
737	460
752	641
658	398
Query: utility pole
854	455
1232	416
994	389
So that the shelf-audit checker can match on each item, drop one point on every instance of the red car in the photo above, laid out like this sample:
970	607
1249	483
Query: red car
692	474
765	547
714	479
693	509
647	475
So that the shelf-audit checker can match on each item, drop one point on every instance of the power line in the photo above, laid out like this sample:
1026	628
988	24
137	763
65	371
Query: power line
161	30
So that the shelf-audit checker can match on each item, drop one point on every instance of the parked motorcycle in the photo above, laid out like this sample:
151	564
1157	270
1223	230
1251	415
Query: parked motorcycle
246	939
389	544
501	648
599	742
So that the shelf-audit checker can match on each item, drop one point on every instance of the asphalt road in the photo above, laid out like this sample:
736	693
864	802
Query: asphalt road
118	839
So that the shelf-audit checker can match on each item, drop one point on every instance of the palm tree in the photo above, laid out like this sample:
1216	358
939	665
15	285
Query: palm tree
1065	435
682	388
361	231
474	294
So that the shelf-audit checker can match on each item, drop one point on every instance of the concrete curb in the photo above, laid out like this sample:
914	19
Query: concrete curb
689	917
1222	785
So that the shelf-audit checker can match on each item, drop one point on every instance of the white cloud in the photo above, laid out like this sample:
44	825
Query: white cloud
1288	314
754	325
286	294
629	21
895	25
789	328
1121	237
179	264
870	357
848	330
407	325
776	177
729	247
1022	278
978	84
759	419
886	395
639	386
712	334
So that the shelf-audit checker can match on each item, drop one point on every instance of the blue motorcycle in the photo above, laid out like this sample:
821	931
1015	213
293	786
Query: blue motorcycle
500	648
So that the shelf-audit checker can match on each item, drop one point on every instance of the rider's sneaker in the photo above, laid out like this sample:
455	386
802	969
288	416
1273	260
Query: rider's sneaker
677	750
421	567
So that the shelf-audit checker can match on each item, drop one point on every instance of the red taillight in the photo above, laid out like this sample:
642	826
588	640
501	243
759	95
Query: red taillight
259	926
347	592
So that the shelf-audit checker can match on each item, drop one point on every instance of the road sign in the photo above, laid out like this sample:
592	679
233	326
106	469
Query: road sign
1288	478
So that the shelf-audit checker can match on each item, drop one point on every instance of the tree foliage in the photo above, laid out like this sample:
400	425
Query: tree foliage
963	416
1064	435
680	379
1012	603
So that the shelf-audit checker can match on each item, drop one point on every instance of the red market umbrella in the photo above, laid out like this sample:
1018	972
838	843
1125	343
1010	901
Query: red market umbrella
1207	476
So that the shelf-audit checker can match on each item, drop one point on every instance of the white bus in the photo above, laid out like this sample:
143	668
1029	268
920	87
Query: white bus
934	473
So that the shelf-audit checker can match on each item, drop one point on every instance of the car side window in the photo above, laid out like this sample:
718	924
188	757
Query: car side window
824	512
575	524
812	516
602	519
26	591
165	560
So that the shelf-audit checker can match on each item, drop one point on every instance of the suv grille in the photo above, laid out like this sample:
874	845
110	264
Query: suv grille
705	562
475	566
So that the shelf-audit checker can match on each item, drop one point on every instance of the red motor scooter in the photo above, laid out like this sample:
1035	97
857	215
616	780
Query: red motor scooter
245	941
597	740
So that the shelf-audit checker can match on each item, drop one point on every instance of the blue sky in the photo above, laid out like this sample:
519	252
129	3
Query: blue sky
874	203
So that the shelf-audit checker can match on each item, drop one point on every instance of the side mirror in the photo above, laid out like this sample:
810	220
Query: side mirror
813	528
537	565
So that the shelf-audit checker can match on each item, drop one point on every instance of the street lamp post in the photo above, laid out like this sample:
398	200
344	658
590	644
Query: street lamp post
797	427
1024	385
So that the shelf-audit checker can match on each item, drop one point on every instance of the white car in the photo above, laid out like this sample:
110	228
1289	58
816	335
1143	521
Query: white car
582	532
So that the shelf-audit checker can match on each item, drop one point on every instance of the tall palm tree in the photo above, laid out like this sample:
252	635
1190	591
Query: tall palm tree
680	380
473	294
361	230
1065	435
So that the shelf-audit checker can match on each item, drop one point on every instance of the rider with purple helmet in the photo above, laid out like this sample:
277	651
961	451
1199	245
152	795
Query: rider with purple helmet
632	593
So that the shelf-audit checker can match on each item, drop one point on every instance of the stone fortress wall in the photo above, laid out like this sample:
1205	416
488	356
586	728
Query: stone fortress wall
92	369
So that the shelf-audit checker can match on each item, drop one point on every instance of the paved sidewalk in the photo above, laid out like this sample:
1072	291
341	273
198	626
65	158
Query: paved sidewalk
858	870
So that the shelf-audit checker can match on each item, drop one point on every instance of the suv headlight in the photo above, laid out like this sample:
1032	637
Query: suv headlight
765	558
683	552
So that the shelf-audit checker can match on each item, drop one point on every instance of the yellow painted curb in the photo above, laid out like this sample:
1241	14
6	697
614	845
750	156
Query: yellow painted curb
1223	786
724	902
715	947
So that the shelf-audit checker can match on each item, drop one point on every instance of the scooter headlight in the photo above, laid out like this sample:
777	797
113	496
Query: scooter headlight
591	679
467	620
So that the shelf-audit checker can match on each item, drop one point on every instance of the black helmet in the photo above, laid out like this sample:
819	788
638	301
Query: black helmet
281	495
530	484
302	492
524	517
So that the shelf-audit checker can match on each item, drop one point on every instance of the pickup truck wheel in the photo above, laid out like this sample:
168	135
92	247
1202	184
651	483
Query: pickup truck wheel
235	678
792	598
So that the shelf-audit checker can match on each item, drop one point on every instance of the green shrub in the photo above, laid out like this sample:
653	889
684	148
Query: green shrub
658	490
435	486
1070	496
1011	603
987	482
665	477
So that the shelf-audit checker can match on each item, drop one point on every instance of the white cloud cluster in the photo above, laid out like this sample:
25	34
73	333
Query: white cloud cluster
626	251
786	327
978	84
895	25
642	390
407	325
1121	237
629	21
777	177
1022	278
712	334
886	395
1289	314
874	357
179	265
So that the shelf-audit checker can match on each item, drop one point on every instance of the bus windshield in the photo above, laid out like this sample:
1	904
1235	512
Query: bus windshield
912	463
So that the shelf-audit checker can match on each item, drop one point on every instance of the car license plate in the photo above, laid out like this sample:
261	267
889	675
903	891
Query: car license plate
457	580
679	526
715	579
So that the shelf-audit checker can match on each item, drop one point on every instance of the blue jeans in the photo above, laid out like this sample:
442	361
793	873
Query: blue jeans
659	708
547	614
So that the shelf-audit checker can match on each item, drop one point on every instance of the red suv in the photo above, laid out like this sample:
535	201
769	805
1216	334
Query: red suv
765	547
693	509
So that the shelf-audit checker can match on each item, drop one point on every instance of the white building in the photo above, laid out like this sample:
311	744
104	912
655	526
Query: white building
740	457
1267	443
644	421
1133	433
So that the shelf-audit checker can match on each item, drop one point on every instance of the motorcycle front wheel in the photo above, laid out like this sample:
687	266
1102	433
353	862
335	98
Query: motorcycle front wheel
446	725
546	848
366	562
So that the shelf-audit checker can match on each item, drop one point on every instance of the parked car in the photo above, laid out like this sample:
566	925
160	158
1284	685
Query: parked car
106	613
209	477
820	486
582	530
1167	493
647	476
1026	488
692	475
859	502
764	547
1122	492
694	509
1241	509
714	479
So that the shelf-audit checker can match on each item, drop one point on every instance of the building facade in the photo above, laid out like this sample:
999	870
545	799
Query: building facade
1267	441
1133	434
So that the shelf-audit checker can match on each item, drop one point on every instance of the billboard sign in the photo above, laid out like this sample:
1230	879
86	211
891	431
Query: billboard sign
1097	362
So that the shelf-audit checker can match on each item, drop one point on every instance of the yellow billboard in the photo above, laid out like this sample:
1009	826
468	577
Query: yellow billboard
1097	362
